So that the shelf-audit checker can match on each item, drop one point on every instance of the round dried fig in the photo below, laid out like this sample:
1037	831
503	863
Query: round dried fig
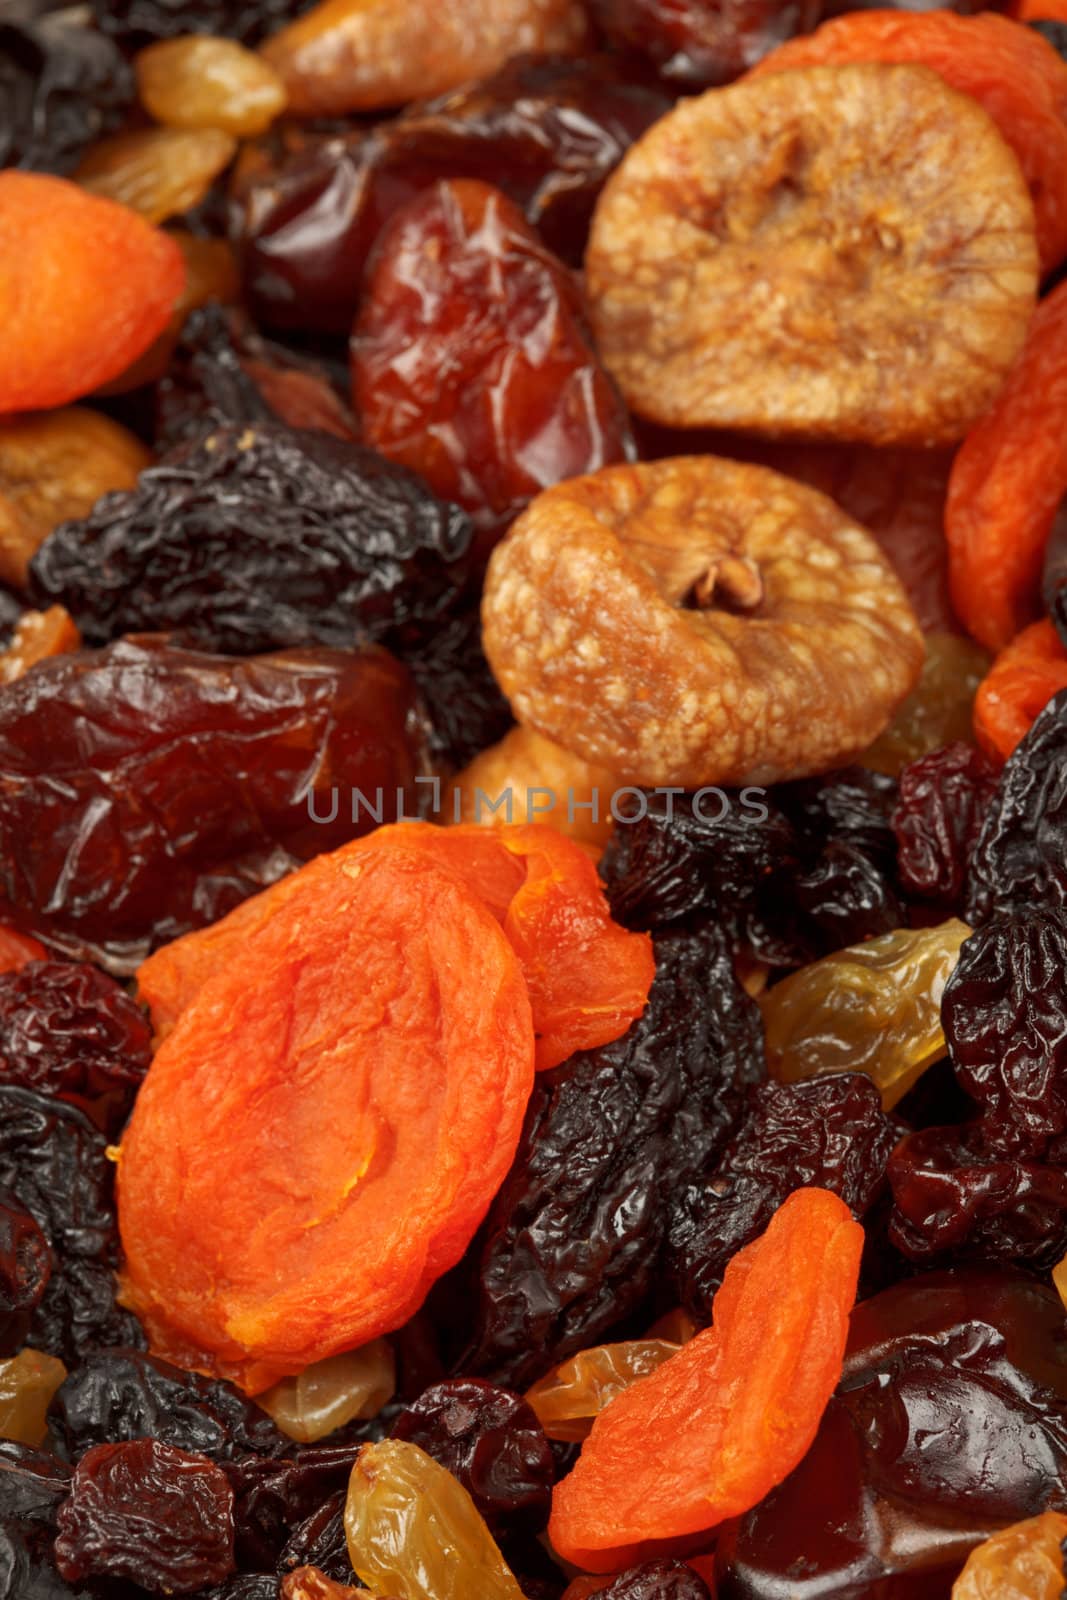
698	621
839	252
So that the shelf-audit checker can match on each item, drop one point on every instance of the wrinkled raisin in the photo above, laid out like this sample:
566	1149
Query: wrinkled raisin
61	86
138	22
208	82
25	1268
938	816
493	1443
146	1511
33	1484
319	1541
466	709
657	1580
272	1498
701	43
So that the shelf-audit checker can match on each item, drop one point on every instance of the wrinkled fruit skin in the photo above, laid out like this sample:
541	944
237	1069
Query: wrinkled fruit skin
60	88
34	1485
493	1443
148	1512
940	809
134	23
703	43
657	1580
951	1420
576	1233
25	1268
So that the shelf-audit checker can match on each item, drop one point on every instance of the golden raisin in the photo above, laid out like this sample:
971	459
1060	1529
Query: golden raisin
840	252
38	635
698	621
545	784
873	1008
340	1389
569	1399
54	466
1023	1562
157	172
940	708
27	1383
202	82
365	55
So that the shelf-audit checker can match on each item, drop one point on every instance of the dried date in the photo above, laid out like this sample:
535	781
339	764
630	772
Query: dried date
704	43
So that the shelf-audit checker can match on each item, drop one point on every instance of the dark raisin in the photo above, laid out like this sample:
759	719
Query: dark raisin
466	709
54	1162
546	130
657	1580
1054	576
163	786
117	1395
260	538
25	1268
472	362
33	1485
61	86
938	816
702	43
272	1498
67	1029
842	899
493	1443
829	1131
1054	32
612	1137
134	23
1020	860
319	1541
852	806
148	1512
247	1586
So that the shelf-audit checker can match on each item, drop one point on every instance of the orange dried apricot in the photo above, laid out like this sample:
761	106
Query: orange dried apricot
1023	1562
698	621
1041	11
38	635
366	1070
587	978
546	783
367	55
199	81
54	466
85	286
157	172
734	1411
773	257
1015	74
1021	681
1007	482
211	273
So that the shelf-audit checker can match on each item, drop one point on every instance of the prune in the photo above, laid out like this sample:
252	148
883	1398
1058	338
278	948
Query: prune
166	785
66	1029
704	43
547	130
830	1132
1005	1022
657	1580
937	819
259	538
751	318
247	1586
466	709
950	1420
958	1196
148	1512
61	86
319	1541
612	1137
25	1268
939	710
158	172
1019	861
852	806
471	360
355	1385
134	23
27	1383
114	1396
54	1162
209	82
32	1486
493	1443
843	898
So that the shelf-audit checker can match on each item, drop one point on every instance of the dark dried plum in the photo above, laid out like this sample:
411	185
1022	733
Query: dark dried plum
491	1440
829	1131
260	538
163	786
704	43
611	1138
54	1162
851	805
148	1512
67	1029
547	130
950	1421
25	1268
61	86
938	816
657	1580
117	1395
134	23
464	702
1020	859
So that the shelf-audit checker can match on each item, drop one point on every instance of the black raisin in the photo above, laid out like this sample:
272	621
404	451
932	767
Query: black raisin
938	816
319	1541
134	23
657	1580
25	1268
61	86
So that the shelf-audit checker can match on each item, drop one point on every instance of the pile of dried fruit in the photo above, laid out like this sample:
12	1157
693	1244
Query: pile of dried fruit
533	800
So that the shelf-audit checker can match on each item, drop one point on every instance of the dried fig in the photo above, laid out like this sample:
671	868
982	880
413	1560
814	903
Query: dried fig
698	621
527	778
841	252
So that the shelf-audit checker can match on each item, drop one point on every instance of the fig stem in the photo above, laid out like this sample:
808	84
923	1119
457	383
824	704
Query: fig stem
733	583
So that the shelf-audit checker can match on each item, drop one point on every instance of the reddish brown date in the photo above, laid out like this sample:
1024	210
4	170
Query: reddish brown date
702	43
470	358
161	786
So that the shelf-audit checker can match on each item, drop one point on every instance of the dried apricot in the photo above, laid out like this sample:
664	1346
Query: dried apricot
38	635
587	978
568	1399
309	1583
157	172
365	55
1019	684
366	1071
1023	1562
54	466
85	287
354	1384
773	257
734	1411
543	782
698	621
199	81
1007	483
1011	71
